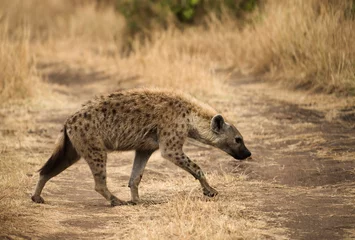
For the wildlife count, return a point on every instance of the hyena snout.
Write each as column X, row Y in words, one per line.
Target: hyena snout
column 241, row 155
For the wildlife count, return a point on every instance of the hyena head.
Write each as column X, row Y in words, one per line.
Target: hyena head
column 228, row 138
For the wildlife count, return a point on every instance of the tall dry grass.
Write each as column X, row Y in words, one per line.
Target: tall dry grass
column 305, row 44
column 30, row 28
column 18, row 77
column 301, row 43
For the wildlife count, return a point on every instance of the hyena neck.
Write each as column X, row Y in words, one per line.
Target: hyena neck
column 200, row 129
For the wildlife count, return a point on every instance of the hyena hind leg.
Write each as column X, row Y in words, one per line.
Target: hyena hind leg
column 98, row 168
column 62, row 158
column 140, row 161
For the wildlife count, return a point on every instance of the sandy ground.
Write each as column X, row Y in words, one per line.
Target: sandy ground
column 299, row 183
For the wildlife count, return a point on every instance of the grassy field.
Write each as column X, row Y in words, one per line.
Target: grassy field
column 55, row 55
column 303, row 44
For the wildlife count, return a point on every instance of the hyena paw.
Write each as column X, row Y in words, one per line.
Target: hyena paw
column 37, row 199
column 210, row 192
column 117, row 202
column 132, row 202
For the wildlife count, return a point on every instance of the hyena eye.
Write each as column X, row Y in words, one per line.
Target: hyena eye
column 238, row 140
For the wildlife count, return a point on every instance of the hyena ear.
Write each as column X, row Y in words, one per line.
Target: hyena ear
column 217, row 123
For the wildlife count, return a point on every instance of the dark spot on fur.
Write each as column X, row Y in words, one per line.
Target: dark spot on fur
column 117, row 104
column 170, row 155
column 183, row 115
column 97, row 165
column 95, row 149
column 75, row 128
column 102, row 165
column 177, row 158
column 80, row 115
column 74, row 119
column 147, row 115
column 114, row 111
column 105, row 102
column 87, row 116
column 103, row 110
column 194, row 165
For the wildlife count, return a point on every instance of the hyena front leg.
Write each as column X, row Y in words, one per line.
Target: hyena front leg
column 97, row 163
column 175, row 154
column 140, row 161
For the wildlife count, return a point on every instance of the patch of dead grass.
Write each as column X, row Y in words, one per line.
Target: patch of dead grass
column 18, row 77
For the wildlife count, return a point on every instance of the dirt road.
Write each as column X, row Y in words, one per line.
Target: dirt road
column 298, row 185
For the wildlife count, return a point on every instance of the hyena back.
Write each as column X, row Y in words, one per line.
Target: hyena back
column 144, row 121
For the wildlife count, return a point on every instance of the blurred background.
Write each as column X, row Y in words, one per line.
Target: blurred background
column 307, row 44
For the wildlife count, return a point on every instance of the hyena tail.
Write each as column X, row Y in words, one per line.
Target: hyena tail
column 64, row 155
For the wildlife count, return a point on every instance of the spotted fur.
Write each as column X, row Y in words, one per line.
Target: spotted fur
column 144, row 121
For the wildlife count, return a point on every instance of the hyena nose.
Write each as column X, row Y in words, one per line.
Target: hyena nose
column 248, row 154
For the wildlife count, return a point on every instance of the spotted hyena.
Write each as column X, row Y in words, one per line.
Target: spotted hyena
column 144, row 121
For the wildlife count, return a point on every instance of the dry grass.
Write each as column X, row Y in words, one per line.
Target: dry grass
column 28, row 29
column 18, row 77
column 300, row 43
column 306, row 44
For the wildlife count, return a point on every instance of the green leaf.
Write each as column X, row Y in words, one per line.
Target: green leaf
column 188, row 13
column 194, row 2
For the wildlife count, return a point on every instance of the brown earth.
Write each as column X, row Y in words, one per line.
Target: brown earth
column 301, row 176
